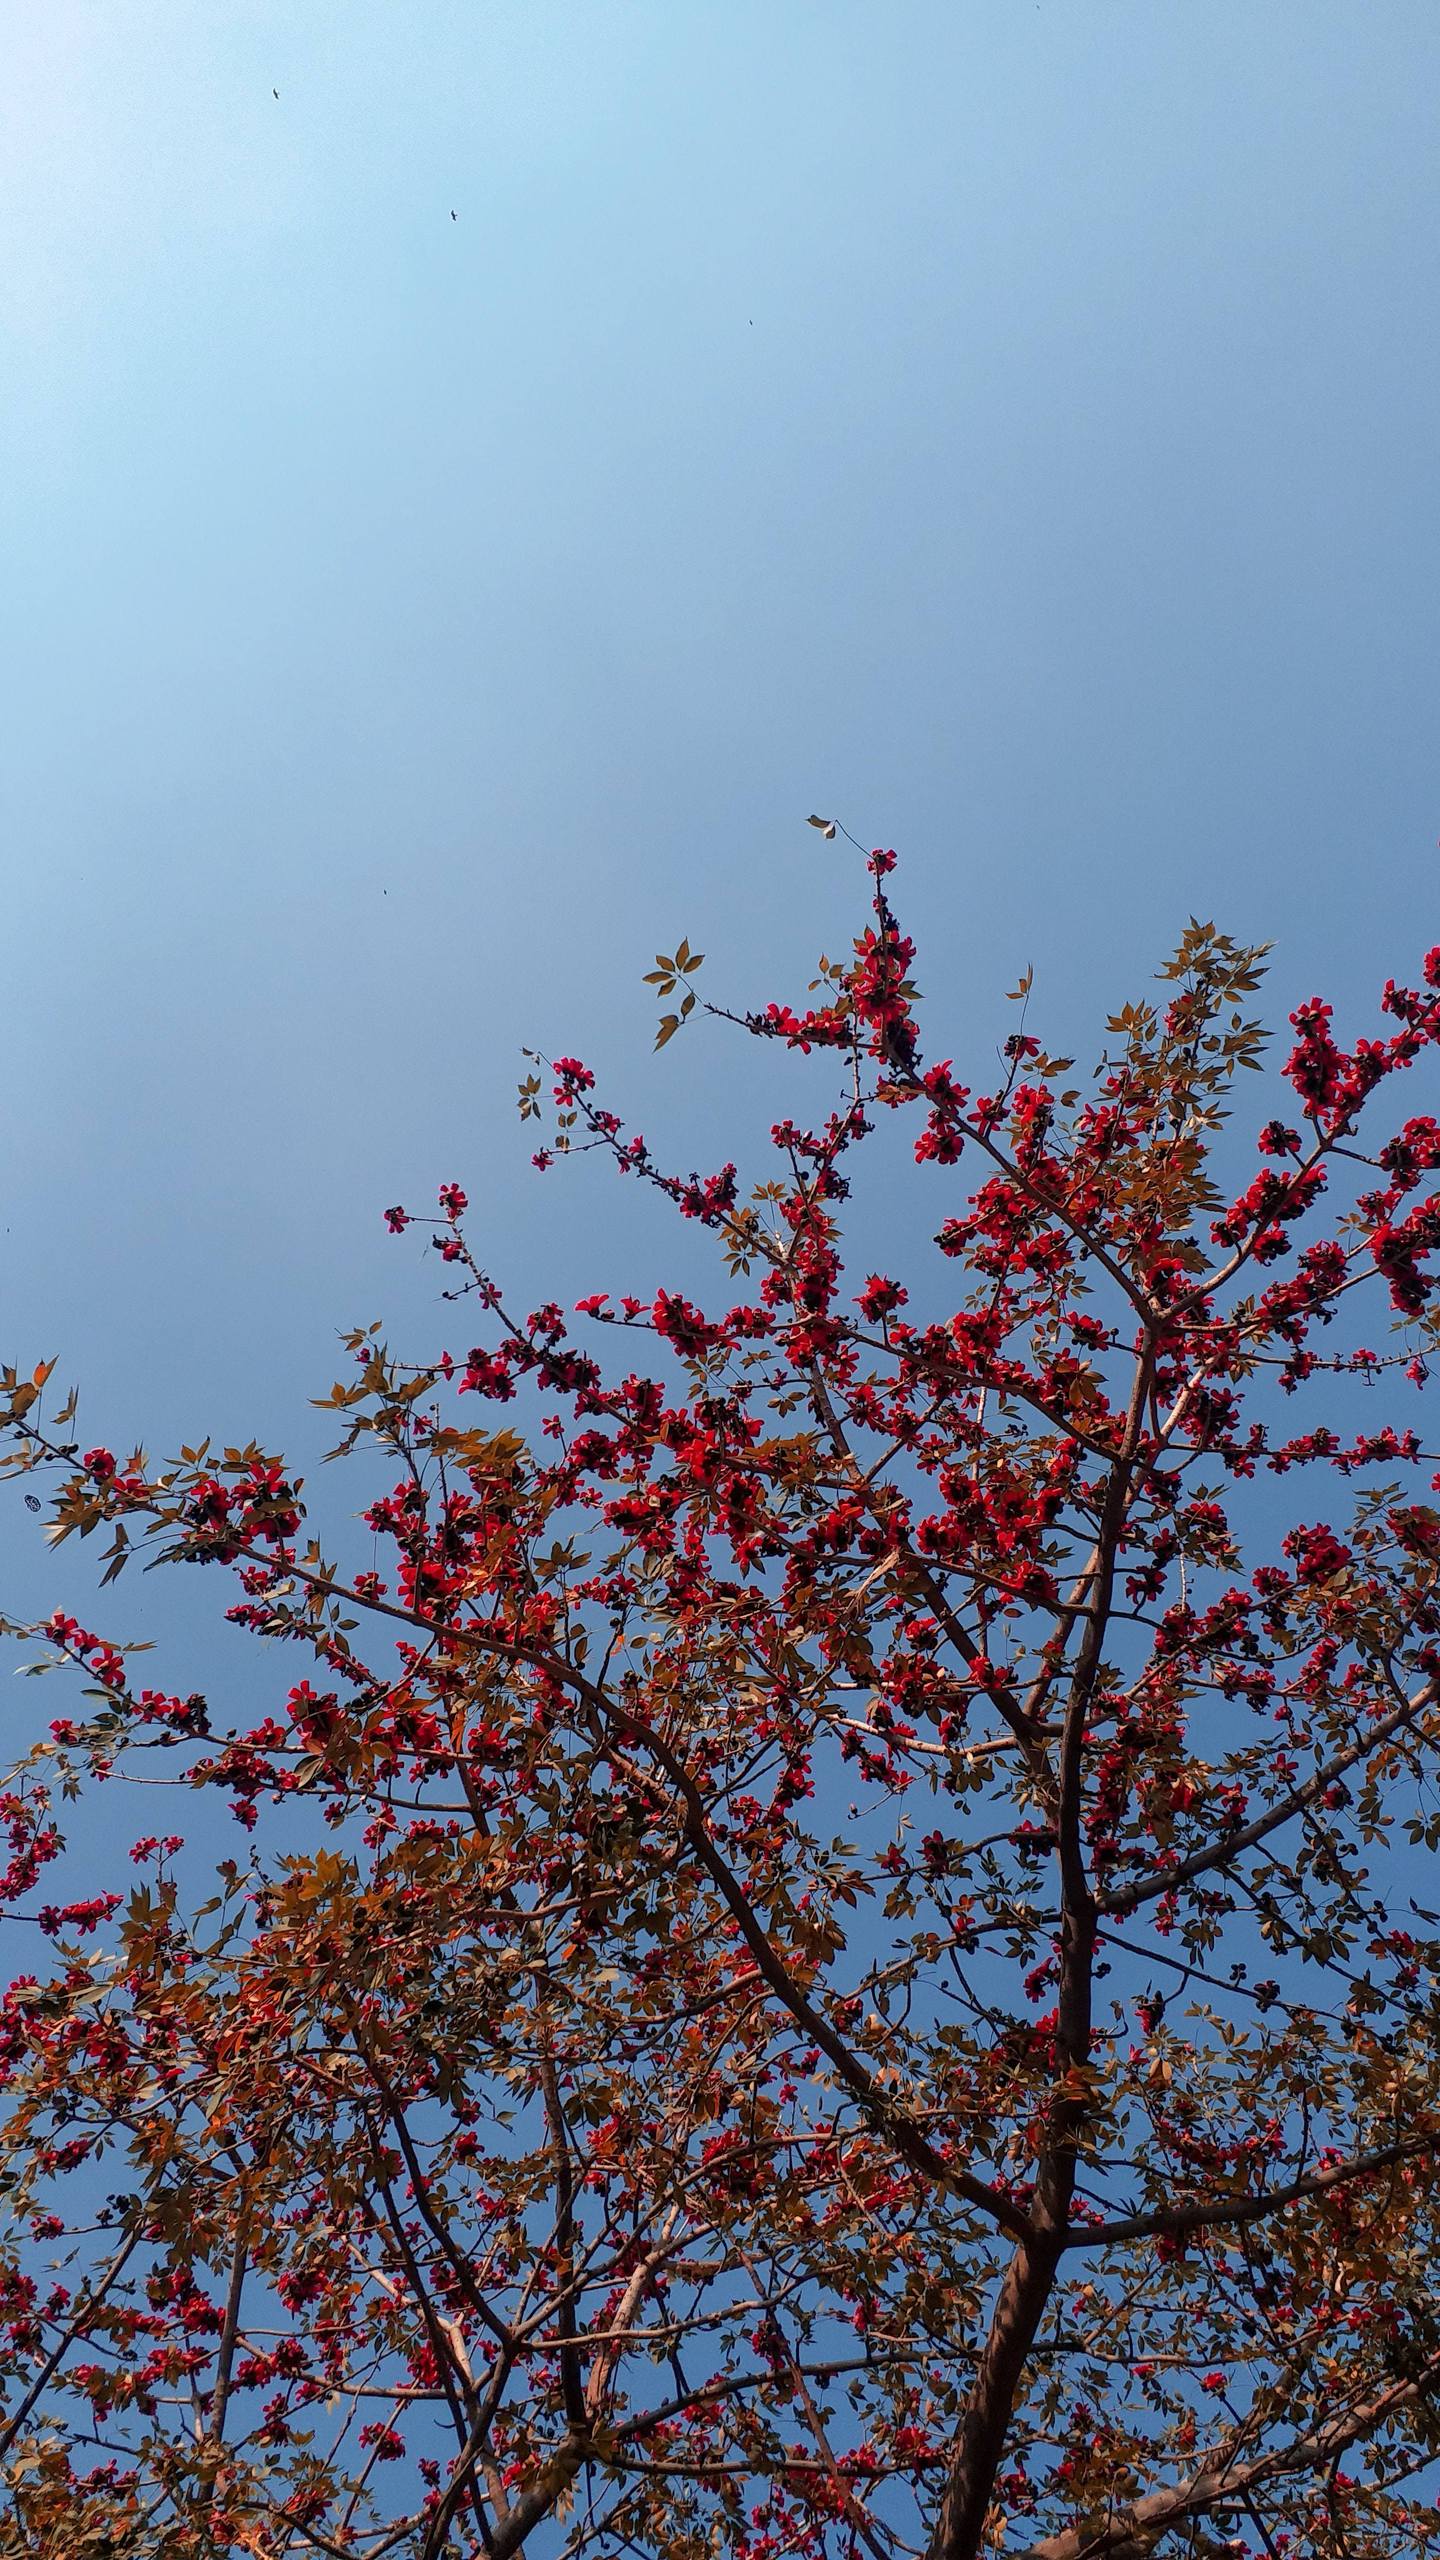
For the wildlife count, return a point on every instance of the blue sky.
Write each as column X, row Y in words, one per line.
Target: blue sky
column 1010, row 427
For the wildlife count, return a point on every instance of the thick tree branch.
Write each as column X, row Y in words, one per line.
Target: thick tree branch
column 1029, row 2280
column 1246, row 1835
column 1229, row 2212
column 1134, row 2528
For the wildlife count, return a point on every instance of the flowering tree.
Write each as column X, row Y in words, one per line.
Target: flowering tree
column 826, row 1962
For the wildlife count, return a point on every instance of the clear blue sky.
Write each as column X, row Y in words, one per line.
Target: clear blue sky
column 1010, row 426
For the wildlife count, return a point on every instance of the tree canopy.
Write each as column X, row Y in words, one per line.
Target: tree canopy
column 829, row 1955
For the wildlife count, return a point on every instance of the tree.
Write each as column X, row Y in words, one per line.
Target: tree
column 828, row 1961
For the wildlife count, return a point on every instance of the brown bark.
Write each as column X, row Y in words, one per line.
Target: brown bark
column 979, row 2444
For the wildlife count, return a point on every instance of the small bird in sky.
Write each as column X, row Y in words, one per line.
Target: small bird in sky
column 274, row 93
column 453, row 215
